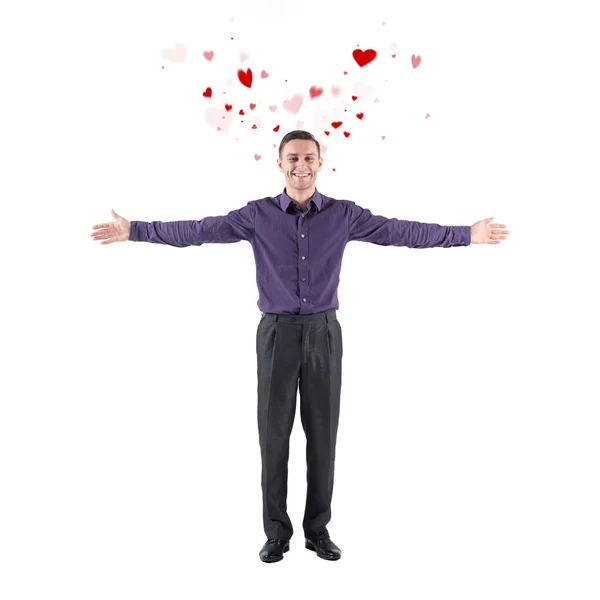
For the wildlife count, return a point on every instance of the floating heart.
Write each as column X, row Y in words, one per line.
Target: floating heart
column 257, row 157
column 264, row 74
column 346, row 134
column 315, row 91
column 335, row 90
column 327, row 133
column 273, row 107
column 293, row 105
column 416, row 61
column 333, row 169
column 243, row 57
column 427, row 116
column 299, row 124
column 383, row 137
column 276, row 128
column 323, row 148
column 245, row 77
column 252, row 106
column 336, row 124
column 228, row 107
column 393, row 56
column 364, row 57
column 241, row 111
column 253, row 126
column 207, row 93
column 354, row 97
column 360, row 115
column 176, row 54
column 209, row 55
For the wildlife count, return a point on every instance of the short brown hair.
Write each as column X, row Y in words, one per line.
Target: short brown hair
column 299, row 134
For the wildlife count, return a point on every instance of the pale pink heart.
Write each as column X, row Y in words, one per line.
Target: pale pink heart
column 383, row 137
column 263, row 74
column 258, row 157
column 323, row 148
column 243, row 56
column 361, row 90
column 335, row 90
column 427, row 116
column 273, row 107
column 208, row 55
column 293, row 104
column 218, row 118
column 394, row 46
column 176, row 54
column 376, row 100
column 299, row 124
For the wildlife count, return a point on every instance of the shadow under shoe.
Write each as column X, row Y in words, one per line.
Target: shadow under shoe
column 273, row 550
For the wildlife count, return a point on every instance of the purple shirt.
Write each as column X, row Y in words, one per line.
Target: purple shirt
column 298, row 254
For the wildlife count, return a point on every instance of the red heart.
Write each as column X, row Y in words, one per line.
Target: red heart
column 393, row 56
column 252, row 106
column 360, row 115
column 345, row 72
column 209, row 55
column 336, row 124
column 416, row 61
column 228, row 107
column 241, row 112
column 354, row 97
column 264, row 74
column 207, row 93
column 315, row 91
column 346, row 134
column 327, row 133
column 276, row 128
column 257, row 157
column 254, row 126
column 245, row 77
column 364, row 58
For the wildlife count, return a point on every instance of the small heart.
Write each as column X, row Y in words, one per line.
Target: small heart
column 276, row 128
column 299, row 124
column 273, row 107
column 274, row 146
column 252, row 106
column 209, row 55
column 293, row 104
column 253, row 127
column 363, row 58
column 315, row 91
column 228, row 107
column 241, row 111
column 335, row 90
column 257, row 157
column 346, row 134
column 336, row 124
column 427, row 116
column 376, row 100
column 333, row 168
column 327, row 133
column 176, row 54
column 393, row 56
column 243, row 56
column 245, row 77
column 323, row 148
column 383, row 137
column 360, row 115
column 416, row 61
column 207, row 93
column 354, row 97
column 345, row 72
column 264, row 74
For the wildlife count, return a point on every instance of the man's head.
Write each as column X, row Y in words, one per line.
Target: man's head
column 300, row 160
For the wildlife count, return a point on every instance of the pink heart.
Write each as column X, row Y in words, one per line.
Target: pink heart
column 257, row 157
column 427, row 116
column 208, row 55
column 383, row 137
column 218, row 118
column 299, row 124
column 293, row 104
column 335, row 90
column 243, row 56
column 273, row 107
column 264, row 74
column 176, row 54
column 323, row 148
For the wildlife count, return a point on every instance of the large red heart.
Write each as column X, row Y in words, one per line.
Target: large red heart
column 364, row 58
column 245, row 77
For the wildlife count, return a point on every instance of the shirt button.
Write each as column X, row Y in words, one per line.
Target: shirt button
column 302, row 235
column 304, row 279
column 303, row 299
column 303, row 258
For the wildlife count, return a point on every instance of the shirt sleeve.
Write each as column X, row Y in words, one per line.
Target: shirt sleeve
column 233, row 227
column 363, row 226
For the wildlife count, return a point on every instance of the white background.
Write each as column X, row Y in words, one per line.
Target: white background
column 468, row 448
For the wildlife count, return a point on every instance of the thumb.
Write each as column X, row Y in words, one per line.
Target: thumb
column 490, row 219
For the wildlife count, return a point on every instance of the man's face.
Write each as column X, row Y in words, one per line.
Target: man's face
column 300, row 164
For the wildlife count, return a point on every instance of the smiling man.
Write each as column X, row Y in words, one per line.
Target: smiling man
column 298, row 238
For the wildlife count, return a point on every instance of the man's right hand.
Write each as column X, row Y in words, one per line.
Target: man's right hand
column 117, row 231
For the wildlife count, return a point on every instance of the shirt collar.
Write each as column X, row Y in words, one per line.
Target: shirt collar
column 285, row 200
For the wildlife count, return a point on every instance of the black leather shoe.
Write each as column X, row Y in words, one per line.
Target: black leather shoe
column 273, row 550
column 324, row 548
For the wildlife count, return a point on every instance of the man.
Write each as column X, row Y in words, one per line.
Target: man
column 298, row 239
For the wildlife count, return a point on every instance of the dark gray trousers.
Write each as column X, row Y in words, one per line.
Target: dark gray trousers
column 305, row 352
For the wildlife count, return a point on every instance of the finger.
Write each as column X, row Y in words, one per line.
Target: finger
column 497, row 225
column 101, row 226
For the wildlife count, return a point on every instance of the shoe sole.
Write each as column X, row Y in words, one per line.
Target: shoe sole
column 271, row 559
